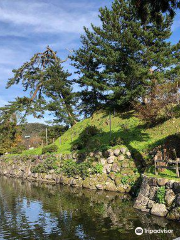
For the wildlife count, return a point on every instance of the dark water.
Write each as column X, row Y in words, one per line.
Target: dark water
column 40, row 211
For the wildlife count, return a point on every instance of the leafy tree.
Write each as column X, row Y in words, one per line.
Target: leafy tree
column 41, row 78
column 154, row 8
column 115, row 60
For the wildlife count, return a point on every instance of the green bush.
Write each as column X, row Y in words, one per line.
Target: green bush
column 71, row 168
column 85, row 138
column 17, row 150
column 47, row 165
column 49, row 149
column 97, row 169
column 116, row 141
column 160, row 195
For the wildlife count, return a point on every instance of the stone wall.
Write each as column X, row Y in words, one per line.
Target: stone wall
column 119, row 170
column 147, row 200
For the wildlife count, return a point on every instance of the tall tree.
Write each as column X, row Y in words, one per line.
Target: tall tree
column 41, row 79
column 154, row 8
column 116, row 58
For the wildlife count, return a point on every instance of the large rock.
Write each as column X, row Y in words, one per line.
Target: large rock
column 110, row 186
column 162, row 181
column 152, row 192
column 123, row 150
column 107, row 168
column 108, row 153
column 178, row 200
column 115, row 167
column 141, row 202
column 121, row 158
column 116, row 152
column 152, row 181
column 111, row 159
column 102, row 161
column 170, row 183
column 174, row 214
column 159, row 210
column 176, row 187
column 169, row 197
column 145, row 188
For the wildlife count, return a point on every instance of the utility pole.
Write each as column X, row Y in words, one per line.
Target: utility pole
column 110, row 123
column 46, row 136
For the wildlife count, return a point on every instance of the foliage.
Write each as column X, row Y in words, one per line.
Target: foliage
column 85, row 138
column 18, row 149
column 116, row 141
column 48, row 164
column 49, row 149
column 116, row 59
column 160, row 195
column 153, row 8
column 72, row 168
column 160, row 102
column 127, row 180
column 44, row 77
column 98, row 168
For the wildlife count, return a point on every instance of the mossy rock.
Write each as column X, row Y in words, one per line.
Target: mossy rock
column 174, row 214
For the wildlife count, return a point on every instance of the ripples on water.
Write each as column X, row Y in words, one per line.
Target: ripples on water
column 41, row 211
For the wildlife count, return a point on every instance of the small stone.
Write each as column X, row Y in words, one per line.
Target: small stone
column 170, row 183
column 169, row 197
column 123, row 150
column 162, row 181
column 108, row 153
column 125, row 164
column 152, row 181
column 128, row 154
column 111, row 159
column 112, row 175
column 121, row 158
column 107, row 168
column 115, row 167
column 159, row 210
column 116, row 152
column 150, row 203
column 102, row 161
column 99, row 186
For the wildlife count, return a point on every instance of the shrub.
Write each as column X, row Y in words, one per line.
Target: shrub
column 85, row 138
column 160, row 195
column 71, row 168
column 46, row 166
column 49, row 149
column 116, row 141
column 17, row 150
column 97, row 169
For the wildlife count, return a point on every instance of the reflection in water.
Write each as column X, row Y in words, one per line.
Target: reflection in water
column 41, row 211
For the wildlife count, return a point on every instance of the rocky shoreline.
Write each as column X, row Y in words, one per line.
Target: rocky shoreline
column 160, row 197
column 119, row 171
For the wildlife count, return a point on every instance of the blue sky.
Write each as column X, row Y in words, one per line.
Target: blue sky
column 28, row 26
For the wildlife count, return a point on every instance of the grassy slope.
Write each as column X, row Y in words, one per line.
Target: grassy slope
column 137, row 137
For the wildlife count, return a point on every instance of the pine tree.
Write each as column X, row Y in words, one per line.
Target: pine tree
column 41, row 79
column 116, row 58
column 59, row 91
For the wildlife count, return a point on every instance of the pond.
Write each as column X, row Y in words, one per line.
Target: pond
column 31, row 210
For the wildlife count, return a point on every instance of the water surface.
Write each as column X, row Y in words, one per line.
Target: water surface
column 40, row 211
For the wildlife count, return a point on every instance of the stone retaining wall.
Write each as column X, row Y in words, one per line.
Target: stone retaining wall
column 147, row 200
column 118, row 166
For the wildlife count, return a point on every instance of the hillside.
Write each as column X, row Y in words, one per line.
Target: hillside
column 127, row 129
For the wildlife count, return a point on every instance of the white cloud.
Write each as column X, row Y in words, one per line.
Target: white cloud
column 41, row 17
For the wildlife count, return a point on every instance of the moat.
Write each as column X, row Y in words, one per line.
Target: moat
column 35, row 210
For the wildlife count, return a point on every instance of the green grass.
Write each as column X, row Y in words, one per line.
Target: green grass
column 135, row 134
column 168, row 174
